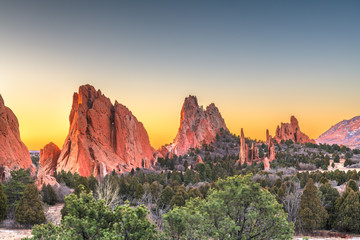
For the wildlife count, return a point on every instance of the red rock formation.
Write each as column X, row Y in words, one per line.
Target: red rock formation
column 291, row 131
column 271, row 150
column 43, row 178
column 197, row 126
column 254, row 152
column 268, row 136
column 199, row 159
column 48, row 158
column 13, row 152
column 243, row 153
column 103, row 137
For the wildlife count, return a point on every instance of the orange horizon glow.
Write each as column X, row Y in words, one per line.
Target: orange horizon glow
column 43, row 124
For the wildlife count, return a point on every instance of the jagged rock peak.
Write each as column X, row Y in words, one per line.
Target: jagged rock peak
column 291, row 131
column 13, row 152
column 103, row 137
column 197, row 126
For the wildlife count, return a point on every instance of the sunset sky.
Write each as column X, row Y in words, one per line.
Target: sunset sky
column 259, row 61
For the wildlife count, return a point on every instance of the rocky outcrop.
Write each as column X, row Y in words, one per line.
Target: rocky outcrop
column 247, row 155
column 199, row 159
column 291, row 131
column 254, row 152
column 45, row 179
column 271, row 150
column 48, row 158
column 13, row 152
column 197, row 126
column 268, row 136
column 103, row 137
column 243, row 149
column 346, row 132
column 5, row 174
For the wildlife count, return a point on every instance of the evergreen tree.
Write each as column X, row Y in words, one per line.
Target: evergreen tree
column 93, row 183
column 311, row 212
column 329, row 195
column 188, row 176
column 81, row 181
column 186, row 164
column 49, row 195
column 139, row 191
column 165, row 197
column 15, row 187
column 29, row 210
column 348, row 211
column 3, row 203
column 352, row 184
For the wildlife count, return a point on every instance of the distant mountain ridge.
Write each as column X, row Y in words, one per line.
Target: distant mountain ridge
column 346, row 132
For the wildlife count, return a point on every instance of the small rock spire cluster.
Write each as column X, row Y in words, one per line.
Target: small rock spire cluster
column 291, row 131
column 247, row 155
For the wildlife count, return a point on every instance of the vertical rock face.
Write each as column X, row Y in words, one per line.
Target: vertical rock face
column 197, row 126
column 268, row 136
column 271, row 147
column 13, row 152
column 103, row 137
column 271, row 151
column 243, row 146
column 199, row 159
column 48, row 158
column 254, row 152
column 291, row 131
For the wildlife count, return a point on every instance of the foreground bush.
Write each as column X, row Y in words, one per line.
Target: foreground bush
column 87, row 218
column 237, row 209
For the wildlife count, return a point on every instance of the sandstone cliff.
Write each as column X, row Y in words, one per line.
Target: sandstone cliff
column 103, row 137
column 48, row 158
column 13, row 152
column 291, row 131
column 197, row 126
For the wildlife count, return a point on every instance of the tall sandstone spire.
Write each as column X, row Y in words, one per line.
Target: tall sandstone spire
column 197, row 126
column 103, row 137
column 243, row 153
column 13, row 152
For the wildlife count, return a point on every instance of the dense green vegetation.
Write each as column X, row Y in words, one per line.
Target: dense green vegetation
column 215, row 199
column 87, row 218
column 261, row 217
column 3, row 203
column 29, row 210
column 237, row 208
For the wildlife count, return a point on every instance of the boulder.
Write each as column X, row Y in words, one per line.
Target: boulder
column 49, row 155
